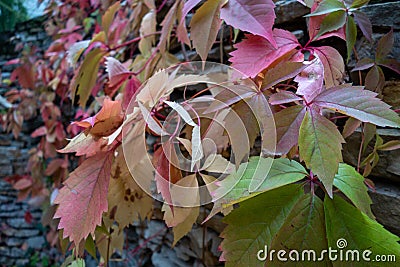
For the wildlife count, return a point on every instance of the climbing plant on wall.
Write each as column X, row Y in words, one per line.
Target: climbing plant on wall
column 110, row 70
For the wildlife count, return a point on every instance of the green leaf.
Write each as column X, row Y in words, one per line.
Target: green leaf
column 358, row 103
column 283, row 171
column 351, row 183
column 331, row 22
column 344, row 222
column 77, row 263
column 303, row 230
column 358, row 3
column 108, row 16
column 351, row 35
column 369, row 134
column 85, row 79
column 327, row 7
column 255, row 223
column 257, row 175
column 320, row 147
column 391, row 145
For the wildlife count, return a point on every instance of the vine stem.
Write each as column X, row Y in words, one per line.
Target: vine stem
column 360, row 150
column 134, row 40
column 359, row 72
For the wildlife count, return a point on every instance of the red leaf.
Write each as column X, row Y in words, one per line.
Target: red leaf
column 117, row 72
column 315, row 24
column 255, row 16
column 83, row 199
column 28, row 217
column 385, row 45
column 131, row 89
column 283, row 97
column 333, row 65
column 255, row 53
column 390, row 63
column 364, row 23
column 25, row 76
column 166, row 173
column 39, row 132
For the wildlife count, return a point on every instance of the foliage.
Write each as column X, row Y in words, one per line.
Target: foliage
column 108, row 62
column 11, row 12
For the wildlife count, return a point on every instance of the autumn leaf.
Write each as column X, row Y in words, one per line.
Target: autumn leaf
column 255, row 53
column 108, row 16
column 320, row 145
column 84, row 144
column 117, row 72
column 204, row 27
column 83, row 199
column 310, row 80
column 333, row 65
column 126, row 199
column 360, row 104
column 106, row 121
column 364, row 23
column 184, row 192
column 256, row 17
column 316, row 19
column 86, row 76
column 288, row 122
column 165, row 161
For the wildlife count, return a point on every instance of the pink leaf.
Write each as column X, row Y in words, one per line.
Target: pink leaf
column 283, row 97
column 358, row 103
column 83, row 199
column 315, row 24
column 364, row 23
column 333, row 65
column 39, row 132
column 255, row 16
column 311, row 80
column 181, row 30
column 288, row 123
column 130, row 91
column 255, row 53
column 117, row 72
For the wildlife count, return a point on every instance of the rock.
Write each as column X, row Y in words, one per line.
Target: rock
column 384, row 14
column 36, row 242
column 167, row 258
column 386, row 206
column 289, row 10
column 18, row 223
column 14, row 242
column 26, row 233
column 391, row 94
column 17, row 253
